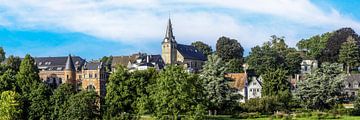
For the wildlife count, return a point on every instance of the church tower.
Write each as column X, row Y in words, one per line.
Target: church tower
column 70, row 71
column 168, row 46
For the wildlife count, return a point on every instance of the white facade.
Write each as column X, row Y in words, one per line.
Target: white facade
column 308, row 65
column 254, row 88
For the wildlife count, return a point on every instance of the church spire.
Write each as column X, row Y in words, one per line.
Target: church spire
column 169, row 36
column 69, row 64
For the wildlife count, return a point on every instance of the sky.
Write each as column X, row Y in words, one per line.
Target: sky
column 95, row 28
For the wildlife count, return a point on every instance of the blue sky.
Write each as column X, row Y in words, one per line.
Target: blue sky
column 92, row 28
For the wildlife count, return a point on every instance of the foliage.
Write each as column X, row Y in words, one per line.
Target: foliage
column 13, row 63
column 10, row 105
column 228, row 49
column 349, row 53
column 204, row 48
column 264, row 105
column 321, row 88
column 2, row 54
column 39, row 102
column 333, row 45
column 314, row 46
column 275, row 81
column 28, row 74
column 274, row 54
column 82, row 105
column 59, row 98
column 356, row 110
column 107, row 62
column 234, row 66
column 8, row 81
column 216, row 86
column 175, row 92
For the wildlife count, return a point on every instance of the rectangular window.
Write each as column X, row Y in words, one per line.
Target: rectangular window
column 95, row 75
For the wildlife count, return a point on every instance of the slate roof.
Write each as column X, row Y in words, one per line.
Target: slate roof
column 190, row 52
column 238, row 80
column 69, row 64
column 93, row 65
column 153, row 60
column 124, row 60
column 58, row 63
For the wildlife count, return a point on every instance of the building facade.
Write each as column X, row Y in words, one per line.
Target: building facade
column 73, row 70
column 174, row 53
column 138, row 61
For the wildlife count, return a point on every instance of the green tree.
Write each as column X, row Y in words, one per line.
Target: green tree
column 119, row 94
column 175, row 92
column 314, row 46
column 10, row 105
column 81, row 106
column 356, row 110
column 333, row 45
column 28, row 74
column 2, row 54
column 13, row 63
column 349, row 53
column 59, row 98
column 274, row 54
column 39, row 102
column 8, row 81
column 274, row 81
column 216, row 86
column 204, row 48
column 228, row 49
column 321, row 88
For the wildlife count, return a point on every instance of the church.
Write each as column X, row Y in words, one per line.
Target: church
column 173, row 53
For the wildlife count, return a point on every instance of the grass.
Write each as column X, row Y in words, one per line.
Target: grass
column 228, row 117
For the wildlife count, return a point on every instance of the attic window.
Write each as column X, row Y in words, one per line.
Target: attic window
column 77, row 62
column 40, row 63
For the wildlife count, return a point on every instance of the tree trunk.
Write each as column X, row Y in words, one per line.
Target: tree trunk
column 209, row 112
column 348, row 69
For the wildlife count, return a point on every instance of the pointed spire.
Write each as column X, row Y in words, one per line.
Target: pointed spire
column 69, row 64
column 169, row 36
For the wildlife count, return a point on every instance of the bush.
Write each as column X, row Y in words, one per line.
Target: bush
column 247, row 115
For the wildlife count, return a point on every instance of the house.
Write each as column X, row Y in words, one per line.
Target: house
column 94, row 77
column 247, row 84
column 139, row 61
column 173, row 53
column 308, row 65
column 351, row 85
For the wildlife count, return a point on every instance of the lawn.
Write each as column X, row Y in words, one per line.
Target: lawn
column 227, row 117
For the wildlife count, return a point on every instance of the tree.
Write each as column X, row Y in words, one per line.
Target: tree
column 2, row 54
column 228, row 49
column 39, row 102
column 81, row 106
column 356, row 110
column 274, row 54
column 349, row 53
column 333, row 45
column 314, row 46
column 320, row 89
column 216, row 86
column 234, row 66
column 10, row 105
column 13, row 63
column 8, row 81
column 274, row 81
column 118, row 97
column 204, row 48
column 175, row 92
column 28, row 74
column 59, row 98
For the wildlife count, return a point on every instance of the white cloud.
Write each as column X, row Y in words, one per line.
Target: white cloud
column 134, row 21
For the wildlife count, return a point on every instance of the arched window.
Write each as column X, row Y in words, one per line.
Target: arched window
column 90, row 87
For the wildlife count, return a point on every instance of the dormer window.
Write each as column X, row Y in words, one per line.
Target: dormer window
column 40, row 63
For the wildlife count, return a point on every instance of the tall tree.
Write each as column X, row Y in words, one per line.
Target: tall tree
column 349, row 53
column 275, row 81
column 274, row 54
column 119, row 94
column 13, row 63
column 216, row 86
column 39, row 102
column 59, row 98
column 333, row 45
column 10, row 105
column 28, row 74
column 228, row 49
column 204, row 48
column 321, row 88
column 175, row 92
column 81, row 106
column 2, row 54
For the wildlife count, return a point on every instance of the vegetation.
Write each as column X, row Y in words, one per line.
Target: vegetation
column 204, row 48
column 349, row 53
column 230, row 50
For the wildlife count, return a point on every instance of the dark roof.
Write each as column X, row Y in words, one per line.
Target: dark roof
column 58, row 63
column 190, row 52
column 124, row 60
column 93, row 65
column 69, row 64
column 353, row 78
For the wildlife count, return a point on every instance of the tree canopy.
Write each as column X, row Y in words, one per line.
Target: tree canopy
column 228, row 49
column 349, row 53
column 10, row 105
column 204, row 48
column 2, row 54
